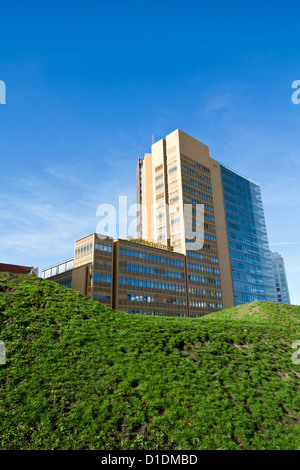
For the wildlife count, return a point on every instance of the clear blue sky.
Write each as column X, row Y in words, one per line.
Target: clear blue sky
column 89, row 82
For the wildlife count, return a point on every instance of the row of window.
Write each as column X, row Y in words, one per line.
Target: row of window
column 193, row 172
column 84, row 249
column 151, row 257
column 244, row 248
column 198, row 255
column 252, row 279
column 193, row 201
column 203, row 186
column 173, row 170
column 153, row 312
column 246, row 231
column 248, row 288
column 244, row 257
column 131, row 297
column 67, row 283
column 246, row 268
column 98, row 246
column 243, row 195
column 282, row 280
column 205, row 292
column 239, row 204
column 207, row 236
column 139, row 268
column 242, row 298
column 146, row 284
column 206, row 269
column 240, row 181
column 244, row 222
column 102, row 277
column 201, row 280
column 194, row 254
column 100, row 266
column 241, row 238
column 197, row 193
column 210, row 305
column 237, row 210
column 102, row 298
column 103, row 247
column 202, row 168
column 58, row 269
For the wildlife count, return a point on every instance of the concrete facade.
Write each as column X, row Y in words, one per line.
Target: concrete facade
column 184, row 174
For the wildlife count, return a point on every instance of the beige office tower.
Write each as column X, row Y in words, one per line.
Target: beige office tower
column 180, row 189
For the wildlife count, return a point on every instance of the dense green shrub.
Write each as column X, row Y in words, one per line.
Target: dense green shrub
column 79, row 375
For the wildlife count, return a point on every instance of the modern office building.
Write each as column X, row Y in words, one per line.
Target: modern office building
column 280, row 279
column 251, row 266
column 226, row 245
column 179, row 172
column 127, row 275
column 201, row 241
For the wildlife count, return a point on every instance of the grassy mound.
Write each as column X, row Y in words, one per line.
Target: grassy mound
column 79, row 375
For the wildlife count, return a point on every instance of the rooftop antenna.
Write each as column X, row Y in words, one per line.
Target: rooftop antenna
column 152, row 139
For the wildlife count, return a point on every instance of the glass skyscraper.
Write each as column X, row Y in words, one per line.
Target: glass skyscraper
column 281, row 285
column 249, row 251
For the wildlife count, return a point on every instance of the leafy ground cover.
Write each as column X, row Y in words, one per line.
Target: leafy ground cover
column 79, row 375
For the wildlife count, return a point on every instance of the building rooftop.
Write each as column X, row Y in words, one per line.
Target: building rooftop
column 16, row 269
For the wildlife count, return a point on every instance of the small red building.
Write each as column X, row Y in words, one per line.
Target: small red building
column 15, row 269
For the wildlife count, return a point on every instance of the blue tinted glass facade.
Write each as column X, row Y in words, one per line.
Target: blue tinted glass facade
column 250, row 258
column 281, row 285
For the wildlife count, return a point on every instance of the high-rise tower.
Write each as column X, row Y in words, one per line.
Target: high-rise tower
column 232, row 263
column 280, row 279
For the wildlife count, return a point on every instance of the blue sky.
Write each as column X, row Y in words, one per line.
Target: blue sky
column 89, row 82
